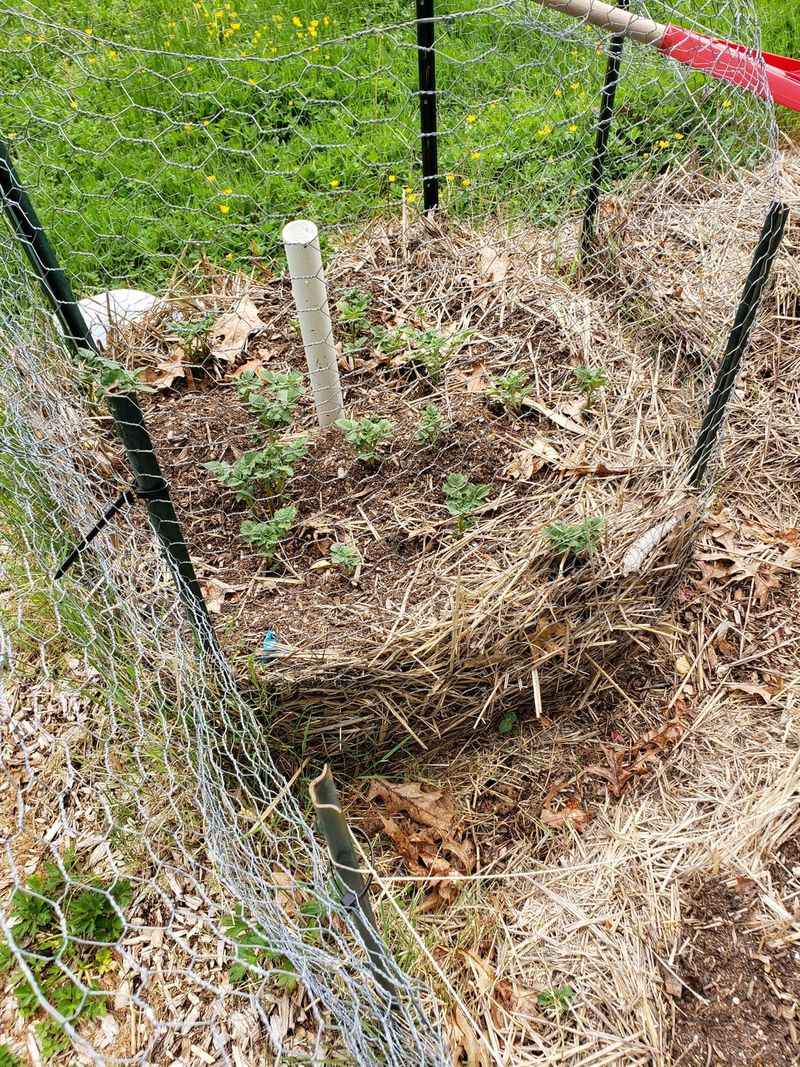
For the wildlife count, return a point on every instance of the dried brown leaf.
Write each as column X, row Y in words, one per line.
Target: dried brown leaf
column 751, row 689
column 494, row 264
column 167, row 372
column 214, row 592
column 429, row 807
column 230, row 333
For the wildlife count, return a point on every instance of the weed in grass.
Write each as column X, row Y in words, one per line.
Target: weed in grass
column 590, row 379
column 510, row 390
column 64, row 915
column 8, row 1059
column 366, row 436
column 270, row 467
column 431, row 426
column 345, row 557
column 266, row 536
column 576, row 539
column 463, row 497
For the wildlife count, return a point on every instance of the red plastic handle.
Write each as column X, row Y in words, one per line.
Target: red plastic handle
column 776, row 77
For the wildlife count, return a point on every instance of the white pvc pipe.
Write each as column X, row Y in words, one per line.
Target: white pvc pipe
column 301, row 240
column 615, row 19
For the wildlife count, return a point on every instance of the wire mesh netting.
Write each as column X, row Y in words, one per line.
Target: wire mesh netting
column 504, row 504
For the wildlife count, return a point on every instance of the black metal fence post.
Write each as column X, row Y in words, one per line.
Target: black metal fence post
column 604, row 121
column 426, row 59
column 760, row 270
column 125, row 409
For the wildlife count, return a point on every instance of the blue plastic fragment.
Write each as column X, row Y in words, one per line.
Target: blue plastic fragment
column 268, row 646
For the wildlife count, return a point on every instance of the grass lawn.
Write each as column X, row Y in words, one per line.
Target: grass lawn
column 203, row 126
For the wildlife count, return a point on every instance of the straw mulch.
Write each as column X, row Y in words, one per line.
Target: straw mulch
column 440, row 635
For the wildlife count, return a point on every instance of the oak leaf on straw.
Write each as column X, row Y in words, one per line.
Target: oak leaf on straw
column 494, row 264
column 167, row 372
column 231, row 331
column 751, row 689
column 428, row 807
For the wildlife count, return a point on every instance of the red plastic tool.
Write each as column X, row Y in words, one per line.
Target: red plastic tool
column 762, row 73
column 778, row 76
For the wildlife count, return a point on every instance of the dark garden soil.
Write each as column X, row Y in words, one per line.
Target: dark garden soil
column 393, row 512
column 741, row 1003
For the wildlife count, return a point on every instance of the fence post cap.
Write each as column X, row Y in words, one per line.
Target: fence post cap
column 300, row 232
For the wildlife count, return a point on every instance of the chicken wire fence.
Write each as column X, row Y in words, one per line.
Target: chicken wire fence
column 164, row 896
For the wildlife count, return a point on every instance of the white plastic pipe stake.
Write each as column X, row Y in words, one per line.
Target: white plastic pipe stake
column 301, row 240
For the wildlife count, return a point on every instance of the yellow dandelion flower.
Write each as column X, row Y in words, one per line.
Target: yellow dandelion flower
column 559, row 92
column 575, row 86
column 449, row 177
column 297, row 21
column 236, row 25
column 188, row 126
column 227, row 191
column 88, row 31
column 663, row 144
column 112, row 54
column 251, row 81
column 229, row 256
column 475, row 155
column 224, row 208
column 572, row 128
column 27, row 39
column 465, row 183
column 392, row 178
column 211, row 178
column 679, row 137
column 74, row 105
column 471, row 119
column 325, row 20
column 412, row 198
column 334, row 183
column 11, row 136
column 727, row 104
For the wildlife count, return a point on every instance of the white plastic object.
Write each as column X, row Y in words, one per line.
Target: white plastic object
column 115, row 308
column 301, row 240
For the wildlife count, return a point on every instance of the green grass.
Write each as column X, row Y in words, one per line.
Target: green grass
column 202, row 127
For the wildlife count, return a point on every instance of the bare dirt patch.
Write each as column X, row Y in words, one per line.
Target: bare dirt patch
column 742, row 993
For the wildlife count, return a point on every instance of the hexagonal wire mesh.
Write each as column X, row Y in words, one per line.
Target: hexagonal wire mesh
column 165, row 898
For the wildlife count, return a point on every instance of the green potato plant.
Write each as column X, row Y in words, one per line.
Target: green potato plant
column 575, row 539
column 266, row 536
column 271, row 467
column 345, row 557
column 431, row 426
column 510, row 390
column 366, row 436
column 463, row 497
column 590, row 380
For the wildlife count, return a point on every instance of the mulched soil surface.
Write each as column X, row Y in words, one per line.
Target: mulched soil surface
column 749, row 1013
